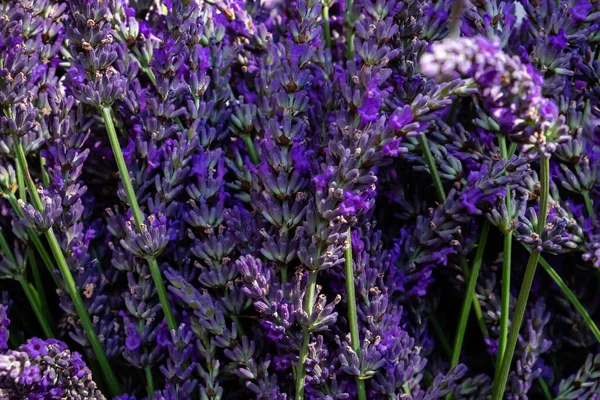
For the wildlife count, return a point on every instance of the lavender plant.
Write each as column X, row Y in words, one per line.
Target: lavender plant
column 230, row 199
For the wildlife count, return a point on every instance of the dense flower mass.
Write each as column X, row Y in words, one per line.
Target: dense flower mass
column 231, row 199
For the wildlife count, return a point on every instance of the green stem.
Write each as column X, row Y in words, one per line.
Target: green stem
column 326, row 27
column 511, row 150
column 149, row 382
column 440, row 335
column 589, row 206
column 469, row 296
column 34, row 301
column 352, row 315
column 301, row 369
column 137, row 215
column 505, row 298
column 506, row 269
column 238, row 325
column 39, row 286
column 544, row 387
column 500, row 382
column 6, row 250
column 162, row 293
column 251, row 149
column 68, row 279
column 349, row 25
column 20, row 182
column 430, row 161
column 476, row 305
column 284, row 272
column 569, row 295
column 45, row 177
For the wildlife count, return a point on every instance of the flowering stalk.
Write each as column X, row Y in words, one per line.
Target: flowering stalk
column 301, row 368
column 352, row 318
column 137, row 215
column 500, row 382
column 69, row 282
column 506, row 266
column 469, row 296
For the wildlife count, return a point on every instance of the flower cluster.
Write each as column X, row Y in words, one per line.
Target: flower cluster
column 226, row 199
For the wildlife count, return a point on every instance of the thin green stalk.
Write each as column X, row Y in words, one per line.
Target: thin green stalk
column 284, row 272
column 476, row 305
column 301, row 368
column 251, row 149
column 589, row 206
column 149, row 382
column 406, row 389
column 147, row 70
column 352, row 316
column 137, row 215
column 45, row 177
column 430, row 161
column 39, row 286
column 6, row 250
column 326, row 27
column 20, row 183
column 440, row 335
column 68, row 279
column 162, row 293
column 505, row 299
column 469, row 296
column 511, row 150
column 569, row 295
column 238, row 325
column 349, row 27
column 544, row 387
column 506, row 269
column 500, row 382
column 34, row 301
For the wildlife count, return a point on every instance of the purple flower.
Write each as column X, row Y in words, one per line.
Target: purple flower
column 133, row 340
column 559, row 40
